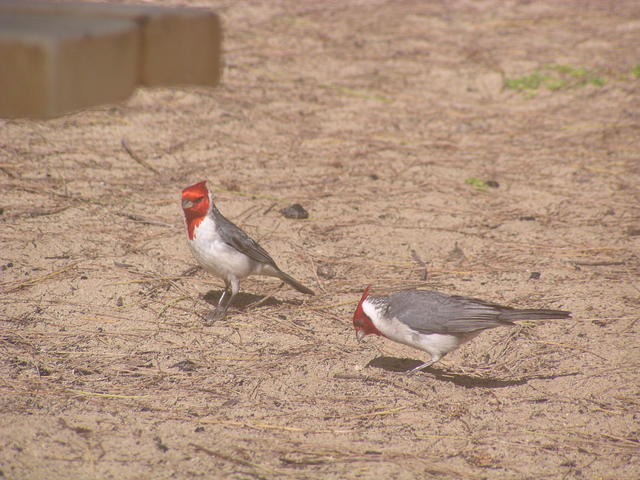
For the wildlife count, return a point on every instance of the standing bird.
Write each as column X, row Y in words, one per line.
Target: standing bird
column 435, row 322
column 223, row 249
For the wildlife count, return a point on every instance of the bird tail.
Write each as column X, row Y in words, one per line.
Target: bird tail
column 533, row 314
column 293, row 282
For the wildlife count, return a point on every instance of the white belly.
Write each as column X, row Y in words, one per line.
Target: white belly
column 436, row 344
column 219, row 258
column 222, row 260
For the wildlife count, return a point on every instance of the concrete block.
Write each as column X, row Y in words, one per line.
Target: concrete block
column 181, row 47
column 174, row 46
column 53, row 65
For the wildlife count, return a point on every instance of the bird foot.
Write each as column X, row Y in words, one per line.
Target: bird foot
column 215, row 315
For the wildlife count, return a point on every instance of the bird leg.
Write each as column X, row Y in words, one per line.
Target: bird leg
column 424, row 365
column 223, row 305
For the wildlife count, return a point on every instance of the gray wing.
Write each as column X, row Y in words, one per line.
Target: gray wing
column 233, row 235
column 434, row 312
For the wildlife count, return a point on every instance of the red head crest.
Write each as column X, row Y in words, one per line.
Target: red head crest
column 195, row 204
column 361, row 322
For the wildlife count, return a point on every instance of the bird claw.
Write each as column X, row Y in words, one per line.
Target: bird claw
column 215, row 315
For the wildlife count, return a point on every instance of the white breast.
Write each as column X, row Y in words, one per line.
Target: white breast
column 216, row 256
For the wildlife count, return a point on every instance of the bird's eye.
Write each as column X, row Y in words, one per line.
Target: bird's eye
column 188, row 203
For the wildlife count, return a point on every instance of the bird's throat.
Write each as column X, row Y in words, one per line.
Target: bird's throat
column 373, row 318
column 192, row 224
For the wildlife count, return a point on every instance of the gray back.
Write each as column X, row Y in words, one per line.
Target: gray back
column 433, row 312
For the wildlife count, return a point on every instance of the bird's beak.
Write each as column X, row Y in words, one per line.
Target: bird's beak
column 360, row 335
column 186, row 203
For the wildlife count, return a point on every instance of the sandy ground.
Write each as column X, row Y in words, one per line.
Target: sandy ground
column 385, row 120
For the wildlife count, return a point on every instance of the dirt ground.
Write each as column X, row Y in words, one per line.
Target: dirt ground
column 388, row 121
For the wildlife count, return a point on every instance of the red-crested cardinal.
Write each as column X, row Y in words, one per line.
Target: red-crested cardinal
column 223, row 249
column 435, row 322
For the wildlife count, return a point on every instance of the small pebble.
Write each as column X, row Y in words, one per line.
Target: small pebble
column 534, row 275
column 185, row 366
column 295, row 211
column 326, row 271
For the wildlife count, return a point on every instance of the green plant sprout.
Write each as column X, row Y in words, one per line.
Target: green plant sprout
column 478, row 184
column 555, row 77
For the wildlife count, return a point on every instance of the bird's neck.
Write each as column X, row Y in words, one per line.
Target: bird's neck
column 373, row 308
column 198, row 226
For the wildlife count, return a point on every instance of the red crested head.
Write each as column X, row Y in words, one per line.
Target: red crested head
column 361, row 322
column 195, row 204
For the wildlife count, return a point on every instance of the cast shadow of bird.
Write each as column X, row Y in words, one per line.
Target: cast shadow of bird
column 393, row 364
column 243, row 300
